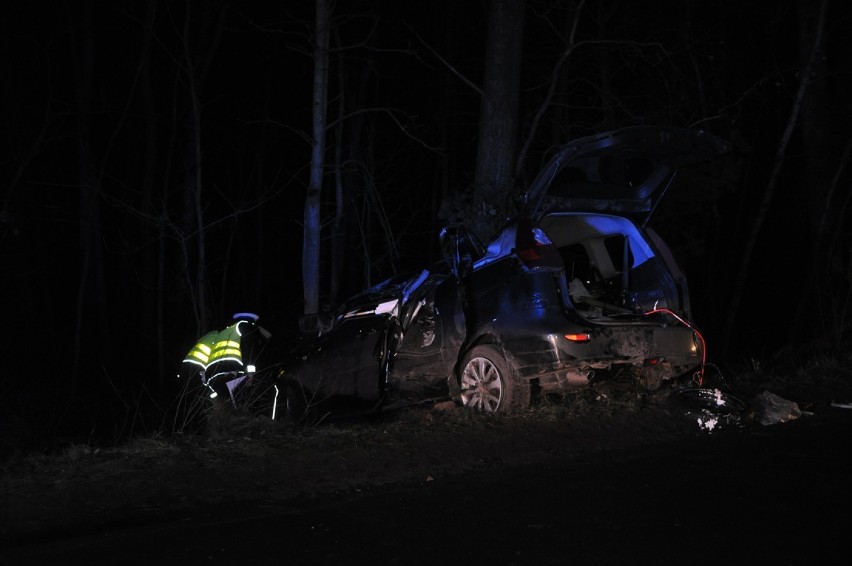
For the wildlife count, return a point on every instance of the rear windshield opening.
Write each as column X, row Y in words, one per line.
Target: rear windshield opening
column 610, row 269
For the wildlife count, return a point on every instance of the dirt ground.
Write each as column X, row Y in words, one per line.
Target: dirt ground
column 242, row 459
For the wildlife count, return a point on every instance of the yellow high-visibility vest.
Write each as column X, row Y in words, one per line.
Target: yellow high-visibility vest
column 200, row 353
column 227, row 346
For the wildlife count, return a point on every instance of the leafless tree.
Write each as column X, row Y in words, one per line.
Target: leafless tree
column 313, row 217
column 498, row 118
column 742, row 271
column 91, row 290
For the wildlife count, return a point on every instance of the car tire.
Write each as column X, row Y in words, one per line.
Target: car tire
column 487, row 383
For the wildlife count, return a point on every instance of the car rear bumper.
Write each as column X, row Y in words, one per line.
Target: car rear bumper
column 653, row 353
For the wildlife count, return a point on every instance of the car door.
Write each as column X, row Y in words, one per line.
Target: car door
column 351, row 363
column 420, row 362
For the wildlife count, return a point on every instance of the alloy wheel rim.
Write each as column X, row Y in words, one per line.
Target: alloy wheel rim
column 481, row 387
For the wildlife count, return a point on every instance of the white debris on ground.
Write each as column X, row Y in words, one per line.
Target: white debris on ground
column 708, row 422
column 768, row 407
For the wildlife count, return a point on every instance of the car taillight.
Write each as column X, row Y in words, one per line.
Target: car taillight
column 535, row 249
column 578, row 337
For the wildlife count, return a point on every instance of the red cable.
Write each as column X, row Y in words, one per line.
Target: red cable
column 697, row 333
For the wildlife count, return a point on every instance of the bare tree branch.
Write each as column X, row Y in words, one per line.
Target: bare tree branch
column 447, row 64
column 389, row 112
column 548, row 98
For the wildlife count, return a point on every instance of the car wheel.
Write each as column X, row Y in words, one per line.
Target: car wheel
column 486, row 381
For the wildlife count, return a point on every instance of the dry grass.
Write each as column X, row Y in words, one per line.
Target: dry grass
column 233, row 435
column 818, row 380
column 240, row 457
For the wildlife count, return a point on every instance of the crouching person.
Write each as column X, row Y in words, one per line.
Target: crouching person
column 223, row 360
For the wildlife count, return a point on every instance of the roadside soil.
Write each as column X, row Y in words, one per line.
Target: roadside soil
column 240, row 460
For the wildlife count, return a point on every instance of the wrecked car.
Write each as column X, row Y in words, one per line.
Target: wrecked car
column 576, row 289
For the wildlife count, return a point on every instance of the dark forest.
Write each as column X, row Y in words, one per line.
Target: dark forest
column 156, row 158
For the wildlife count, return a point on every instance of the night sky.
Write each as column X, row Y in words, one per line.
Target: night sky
column 102, row 102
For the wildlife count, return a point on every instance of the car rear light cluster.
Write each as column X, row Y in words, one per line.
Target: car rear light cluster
column 700, row 375
column 534, row 248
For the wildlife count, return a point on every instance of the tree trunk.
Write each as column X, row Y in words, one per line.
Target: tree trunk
column 313, row 219
column 338, row 230
column 498, row 119
column 91, row 294
column 154, row 260
column 819, row 150
column 193, row 182
column 196, row 65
